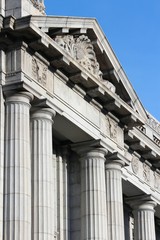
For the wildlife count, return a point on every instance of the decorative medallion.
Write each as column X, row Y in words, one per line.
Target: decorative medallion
column 146, row 172
column 81, row 49
column 39, row 72
column 135, row 164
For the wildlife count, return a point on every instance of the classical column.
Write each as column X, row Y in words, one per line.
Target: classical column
column 42, row 175
column 17, row 198
column 2, row 120
column 115, row 218
column 93, row 195
column 62, row 194
column 144, row 223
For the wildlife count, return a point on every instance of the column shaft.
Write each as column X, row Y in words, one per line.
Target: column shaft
column 42, row 175
column 62, row 196
column 93, row 196
column 114, row 200
column 144, row 228
column 2, row 117
column 17, row 209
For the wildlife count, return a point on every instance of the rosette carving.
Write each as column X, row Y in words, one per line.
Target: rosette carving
column 82, row 50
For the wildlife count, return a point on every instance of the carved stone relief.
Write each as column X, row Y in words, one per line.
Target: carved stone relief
column 146, row 172
column 113, row 128
column 82, row 50
column 135, row 164
column 39, row 4
column 154, row 123
column 39, row 72
column 156, row 181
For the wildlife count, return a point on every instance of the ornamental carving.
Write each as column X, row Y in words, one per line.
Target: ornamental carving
column 39, row 4
column 156, row 180
column 39, row 72
column 81, row 49
column 154, row 124
column 146, row 172
column 113, row 128
column 135, row 164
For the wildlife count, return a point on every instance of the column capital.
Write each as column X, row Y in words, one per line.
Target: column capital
column 142, row 202
column 43, row 113
column 93, row 153
column 23, row 96
column 116, row 161
column 89, row 149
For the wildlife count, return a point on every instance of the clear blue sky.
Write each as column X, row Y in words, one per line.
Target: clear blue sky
column 133, row 30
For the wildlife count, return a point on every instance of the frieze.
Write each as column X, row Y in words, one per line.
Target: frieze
column 39, row 72
column 82, row 50
column 144, row 172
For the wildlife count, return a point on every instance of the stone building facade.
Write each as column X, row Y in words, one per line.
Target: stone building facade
column 79, row 155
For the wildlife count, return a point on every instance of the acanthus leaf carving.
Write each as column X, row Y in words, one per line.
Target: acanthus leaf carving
column 82, row 50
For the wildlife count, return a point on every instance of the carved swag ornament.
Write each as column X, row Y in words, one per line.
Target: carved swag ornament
column 81, row 49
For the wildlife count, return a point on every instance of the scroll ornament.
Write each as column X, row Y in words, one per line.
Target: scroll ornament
column 81, row 49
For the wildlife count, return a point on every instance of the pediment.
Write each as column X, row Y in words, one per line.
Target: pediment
column 84, row 40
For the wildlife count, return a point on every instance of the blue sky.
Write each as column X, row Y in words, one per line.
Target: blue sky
column 133, row 30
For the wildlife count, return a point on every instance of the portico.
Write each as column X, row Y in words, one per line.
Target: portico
column 75, row 146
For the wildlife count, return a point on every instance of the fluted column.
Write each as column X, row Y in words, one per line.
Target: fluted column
column 17, row 198
column 115, row 217
column 93, row 196
column 62, row 194
column 2, row 121
column 144, row 228
column 42, row 175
